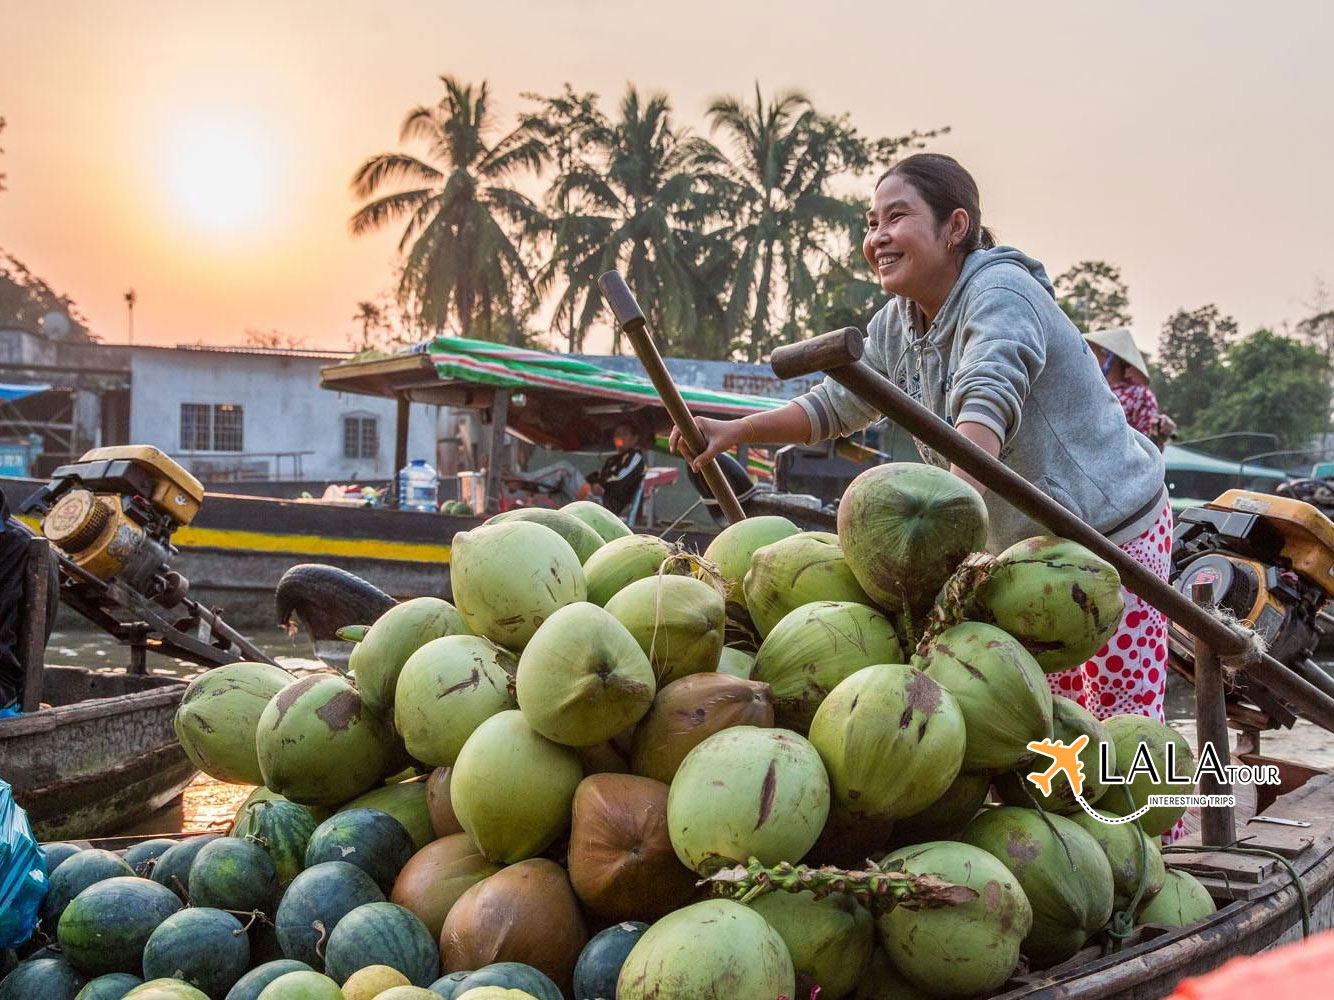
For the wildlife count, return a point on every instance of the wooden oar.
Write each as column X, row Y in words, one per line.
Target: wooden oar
column 839, row 353
column 631, row 318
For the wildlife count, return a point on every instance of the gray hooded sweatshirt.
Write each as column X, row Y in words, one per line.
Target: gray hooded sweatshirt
column 1001, row 353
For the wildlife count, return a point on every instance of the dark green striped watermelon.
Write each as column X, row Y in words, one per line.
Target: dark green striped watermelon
column 450, row 985
column 173, row 867
column 373, row 840
column 234, row 875
column 108, row 924
column 514, row 976
column 280, row 827
column 77, row 873
column 112, row 986
column 600, row 962
column 143, row 857
column 44, row 978
column 406, row 802
column 382, row 934
column 264, row 946
column 205, row 947
column 56, row 854
column 252, row 984
column 315, row 902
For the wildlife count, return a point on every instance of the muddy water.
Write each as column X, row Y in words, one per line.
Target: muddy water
column 208, row 804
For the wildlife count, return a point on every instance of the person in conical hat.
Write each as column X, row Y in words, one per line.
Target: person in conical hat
column 1127, row 373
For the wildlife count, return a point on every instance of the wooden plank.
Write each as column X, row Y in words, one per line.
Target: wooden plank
column 1223, row 889
column 32, row 643
column 1289, row 841
column 1221, row 864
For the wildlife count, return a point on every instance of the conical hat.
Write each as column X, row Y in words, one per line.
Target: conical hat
column 1120, row 342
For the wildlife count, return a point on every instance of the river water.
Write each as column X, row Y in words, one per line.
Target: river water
column 209, row 804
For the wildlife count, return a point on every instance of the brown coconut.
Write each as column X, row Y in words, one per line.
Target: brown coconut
column 603, row 758
column 848, row 840
column 621, row 860
column 524, row 913
column 687, row 712
column 443, row 820
column 436, row 876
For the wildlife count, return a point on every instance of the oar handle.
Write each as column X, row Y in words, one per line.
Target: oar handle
column 632, row 323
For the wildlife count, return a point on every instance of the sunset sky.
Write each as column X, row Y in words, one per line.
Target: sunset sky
column 202, row 157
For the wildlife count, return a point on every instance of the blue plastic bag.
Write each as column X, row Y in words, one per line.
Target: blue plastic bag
column 22, row 873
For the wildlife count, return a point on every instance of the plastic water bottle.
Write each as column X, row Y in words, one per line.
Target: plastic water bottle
column 417, row 486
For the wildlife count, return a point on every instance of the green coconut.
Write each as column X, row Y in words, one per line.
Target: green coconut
column 319, row 744
column 904, row 528
column 814, row 648
column 509, row 578
column 892, row 740
column 512, row 788
column 948, row 815
column 622, row 561
column 964, row 949
column 1062, row 870
column 732, row 549
column 736, row 662
column 1069, row 721
column 678, row 622
column 1130, row 853
column 447, row 689
column 599, row 518
column 797, row 570
column 218, row 716
column 1141, row 742
column 1004, row 696
column 583, row 677
column 747, row 792
column 830, row 940
column 1056, row 597
column 711, row 950
column 583, row 538
column 1181, row 902
column 377, row 660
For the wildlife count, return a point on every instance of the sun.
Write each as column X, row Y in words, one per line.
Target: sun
column 221, row 172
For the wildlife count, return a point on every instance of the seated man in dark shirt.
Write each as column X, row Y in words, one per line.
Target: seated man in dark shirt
column 619, row 478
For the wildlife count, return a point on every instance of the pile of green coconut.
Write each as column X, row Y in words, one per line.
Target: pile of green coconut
column 592, row 774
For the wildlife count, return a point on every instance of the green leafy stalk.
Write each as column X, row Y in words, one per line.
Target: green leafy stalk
column 878, row 888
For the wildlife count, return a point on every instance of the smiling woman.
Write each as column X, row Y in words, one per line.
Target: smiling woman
column 221, row 172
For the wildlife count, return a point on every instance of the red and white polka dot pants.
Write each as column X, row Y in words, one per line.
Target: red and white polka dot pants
column 1128, row 676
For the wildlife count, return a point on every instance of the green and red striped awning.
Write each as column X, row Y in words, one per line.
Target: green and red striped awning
column 518, row 368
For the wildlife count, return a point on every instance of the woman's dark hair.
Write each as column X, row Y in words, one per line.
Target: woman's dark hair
column 945, row 185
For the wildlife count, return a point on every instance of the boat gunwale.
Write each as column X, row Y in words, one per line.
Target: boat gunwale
column 49, row 719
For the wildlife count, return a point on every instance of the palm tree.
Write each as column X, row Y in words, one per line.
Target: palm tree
column 632, row 206
column 773, row 189
column 462, row 245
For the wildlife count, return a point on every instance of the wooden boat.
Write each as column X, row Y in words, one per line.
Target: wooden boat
column 103, row 755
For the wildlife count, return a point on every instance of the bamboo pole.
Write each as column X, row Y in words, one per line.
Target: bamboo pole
column 1218, row 827
column 839, row 355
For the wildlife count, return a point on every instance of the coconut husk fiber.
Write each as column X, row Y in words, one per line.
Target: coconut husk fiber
column 687, row 712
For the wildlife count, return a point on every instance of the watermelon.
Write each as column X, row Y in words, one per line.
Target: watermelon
column 108, row 924
column 143, row 857
column 302, row 986
column 382, row 934
column 600, row 962
column 450, row 985
column 207, row 948
column 282, row 828
column 56, row 854
column 173, row 867
column 77, row 873
column 112, row 986
column 512, row 976
column 44, row 978
column 252, row 984
column 165, row 989
column 406, row 802
column 315, row 902
column 234, row 875
column 373, row 840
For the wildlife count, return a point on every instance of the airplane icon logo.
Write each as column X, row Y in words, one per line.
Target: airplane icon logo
column 1064, row 758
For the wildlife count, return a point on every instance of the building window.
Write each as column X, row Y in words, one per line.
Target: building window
column 361, row 437
column 212, row 427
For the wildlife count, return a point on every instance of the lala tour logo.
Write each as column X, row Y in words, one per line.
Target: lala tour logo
column 1065, row 759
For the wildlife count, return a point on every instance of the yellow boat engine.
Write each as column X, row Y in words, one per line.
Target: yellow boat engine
column 1269, row 562
column 110, row 517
